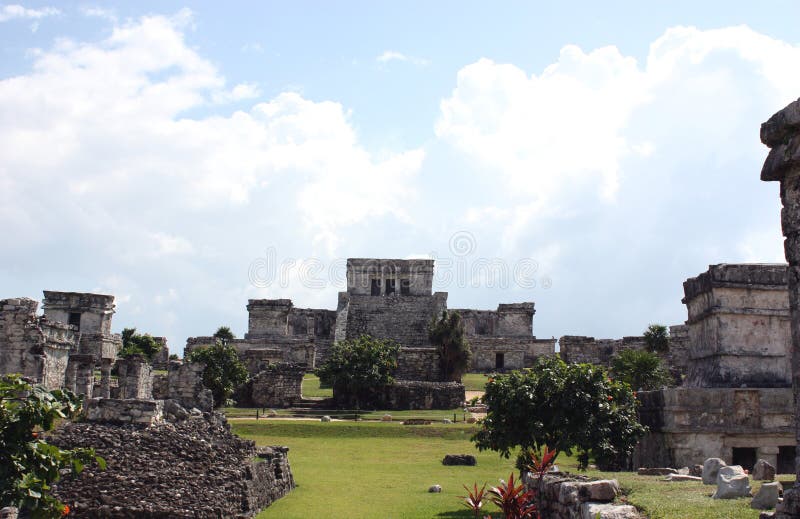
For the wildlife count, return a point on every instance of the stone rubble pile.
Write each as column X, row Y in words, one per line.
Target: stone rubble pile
column 193, row 468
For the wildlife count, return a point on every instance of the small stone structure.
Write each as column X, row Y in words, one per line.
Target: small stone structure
column 279, row 385
column 781, row 133
column 185, row 386
column 735, row 403
column 135, row 378
column 118, row 411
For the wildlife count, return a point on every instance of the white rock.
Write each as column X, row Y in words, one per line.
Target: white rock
column 767, row 496
column 732, row 482
column 608, row 511
column 325, row 418
column 435, row 489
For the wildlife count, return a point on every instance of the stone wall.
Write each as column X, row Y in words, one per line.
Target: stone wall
column 279, row 385
column 190, row 468
column 739, row 326
column 418, row 364
column 366, row 274
column 404, row 319
column 517, row 352
column 128, row 411
column 185, row 385
column 93, row 311
column 407, row 394
column 688, row 425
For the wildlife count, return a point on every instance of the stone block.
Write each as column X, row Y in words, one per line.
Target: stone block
column 656, row 471
column 763, row 471
column 460, row 459
column 607, row 511
column 602, row 490
column 732, row 482
column 767, row 496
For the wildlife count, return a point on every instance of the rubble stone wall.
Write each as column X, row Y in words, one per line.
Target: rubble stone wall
column 128, row 411
column 185, row 385
column 418, row 364
column 279, row 385
column 135, row 378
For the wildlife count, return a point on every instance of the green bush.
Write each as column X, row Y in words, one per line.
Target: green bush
column 657, row 338
column 641, row 369
column 28, row 464
column 447, row 334
column 356, row 368
column 138, row 344
column 565, row 407
column 224, row 371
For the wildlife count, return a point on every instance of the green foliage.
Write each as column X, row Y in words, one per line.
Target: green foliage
column 173, row 356
column 447, row 333
column 354, row 367
column 28, row 464
column 474, row 498
column 657, row 338
column 641, row 369
column 223, row 373
column 138, row 344
column 224, row 334
column 564, row 406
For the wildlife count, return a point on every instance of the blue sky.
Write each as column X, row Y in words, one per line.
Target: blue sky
column 594, row 154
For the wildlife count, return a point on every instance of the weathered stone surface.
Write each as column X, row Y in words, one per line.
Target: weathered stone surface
column 767, row 496
column 278, row 385
column 789, row 506
column 129, row 411
column 763, row 471
column 9, row 512
column 711, row 468
column 407, row 394
column 192, row 468
column 460, row 459
column 655, row 471
column 185, row 385
column 732, row 482
column 602, row 490
column 607, row 511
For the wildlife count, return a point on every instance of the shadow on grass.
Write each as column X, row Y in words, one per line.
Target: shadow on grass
column 465, row 514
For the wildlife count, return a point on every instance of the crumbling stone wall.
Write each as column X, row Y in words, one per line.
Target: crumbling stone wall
column 279, row 385
column 185, row 385
column 128, row 411
column 31, row 345
column 194, row 468
column 569, row 496
column 407, row 394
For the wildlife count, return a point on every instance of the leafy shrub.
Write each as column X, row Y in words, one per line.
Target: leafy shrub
column 657, row 338
column 224, row 371
column 474, row 498
column 355, row 368
column 564, row 406
column 641, row 369
column 138, row 344
column 513, row 500
column 28, row 464
column 447, row 334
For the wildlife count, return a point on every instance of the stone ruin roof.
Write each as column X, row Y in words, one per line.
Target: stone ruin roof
column 192, row 468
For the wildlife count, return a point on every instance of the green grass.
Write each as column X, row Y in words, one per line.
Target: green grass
column 474, row 381
column 374, row 469
column 349, row 414
column 312, row 389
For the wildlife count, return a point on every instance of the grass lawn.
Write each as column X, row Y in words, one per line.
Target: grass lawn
column 348, row 414
column 474, row 381
column 311, row 387
column 374, row 469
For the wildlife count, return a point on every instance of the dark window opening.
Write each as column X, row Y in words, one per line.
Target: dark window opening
column 390, row 286
column 481, row 328
column 744, row 456
column 405, row 287
column 499, row 360
column 75, row 319
column 376, row 287
column 786, row 455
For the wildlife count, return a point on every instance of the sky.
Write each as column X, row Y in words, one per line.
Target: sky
column 587, row 156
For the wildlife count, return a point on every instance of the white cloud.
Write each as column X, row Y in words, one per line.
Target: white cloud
column 392, row 55
column 16, row 11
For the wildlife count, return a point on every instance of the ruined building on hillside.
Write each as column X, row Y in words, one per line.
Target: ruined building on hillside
column 391, row 299
column 736, row 402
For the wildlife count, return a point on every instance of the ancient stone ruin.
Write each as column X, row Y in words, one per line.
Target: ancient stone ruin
column 736, row 400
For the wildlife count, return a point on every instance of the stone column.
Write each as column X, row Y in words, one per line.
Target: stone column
column 71, row 376
column 84, row 374
column 105, row 378
column 781, row 133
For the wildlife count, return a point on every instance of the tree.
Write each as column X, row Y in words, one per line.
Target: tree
column 224, row 371
column 564, row 407
column 356, row 367
column 138, row 344
column 28, row 464
column 657, row 338
column 447, row 333
column 224, row 334
column 641, row 369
